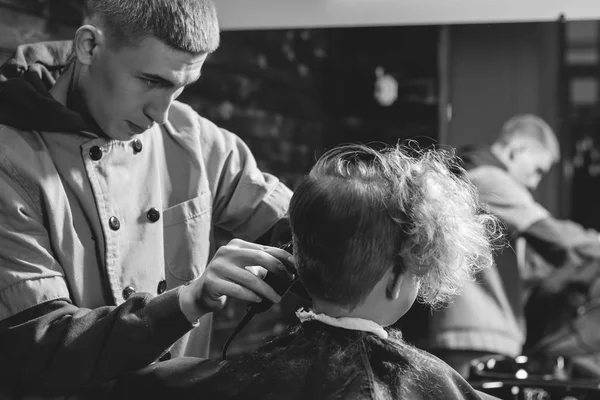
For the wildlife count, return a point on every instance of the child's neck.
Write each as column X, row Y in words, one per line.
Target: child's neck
column 363, row 311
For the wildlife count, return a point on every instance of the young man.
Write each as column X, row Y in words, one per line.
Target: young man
column 111, row 196
column 371, row 232
column 489, row 317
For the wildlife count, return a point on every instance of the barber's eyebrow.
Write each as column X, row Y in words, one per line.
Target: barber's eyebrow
column 164, row 81
column 157, row 78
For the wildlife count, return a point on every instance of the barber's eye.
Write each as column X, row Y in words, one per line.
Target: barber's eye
column 149, row 82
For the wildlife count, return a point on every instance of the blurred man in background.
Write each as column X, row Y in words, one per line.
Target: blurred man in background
column 489, row 317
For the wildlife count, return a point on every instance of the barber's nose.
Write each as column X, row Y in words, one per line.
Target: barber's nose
column 158, row 109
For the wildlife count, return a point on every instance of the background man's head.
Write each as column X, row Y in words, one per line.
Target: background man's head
column 528, row 147
column 136, row 57
column 365, row 220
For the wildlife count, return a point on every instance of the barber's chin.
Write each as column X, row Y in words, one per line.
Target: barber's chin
column 122, row 133
column 135, row 129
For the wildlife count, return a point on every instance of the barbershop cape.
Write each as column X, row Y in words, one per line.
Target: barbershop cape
column 313, row 361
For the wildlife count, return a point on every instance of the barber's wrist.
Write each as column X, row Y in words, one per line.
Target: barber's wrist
column 163, row 315
column 187, row 304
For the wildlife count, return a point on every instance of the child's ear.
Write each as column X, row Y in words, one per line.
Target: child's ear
column 394, row 285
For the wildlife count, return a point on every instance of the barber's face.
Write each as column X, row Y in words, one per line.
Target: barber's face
column 127, row 90
column 528, row 164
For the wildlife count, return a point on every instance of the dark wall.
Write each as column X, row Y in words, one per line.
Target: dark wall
column 269, row 88
column 292, row 93
column 408, row 55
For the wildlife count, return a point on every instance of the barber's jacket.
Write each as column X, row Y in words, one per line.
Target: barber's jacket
column 94, row 220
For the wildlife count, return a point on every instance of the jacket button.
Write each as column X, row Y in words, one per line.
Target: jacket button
column 137, row 145
column 153, row 215
column 114, row 223
column 96, row 153
column 162, row 286
column 127, row 292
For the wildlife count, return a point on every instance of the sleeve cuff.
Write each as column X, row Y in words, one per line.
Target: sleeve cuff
column 164, row 316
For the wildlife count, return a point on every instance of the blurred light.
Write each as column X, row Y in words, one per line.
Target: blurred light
column 386, row 88
column 521, row 374
column 492, row 385
column 521, row 359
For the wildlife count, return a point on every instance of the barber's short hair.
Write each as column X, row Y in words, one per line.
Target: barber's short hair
column 361, row 212
column 186, row 25
column 532, row 127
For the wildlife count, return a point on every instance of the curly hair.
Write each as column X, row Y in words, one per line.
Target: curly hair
column 361, row 211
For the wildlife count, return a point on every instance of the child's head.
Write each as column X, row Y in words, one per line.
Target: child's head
column 372, row 229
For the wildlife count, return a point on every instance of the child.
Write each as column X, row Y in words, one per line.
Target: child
column 372, row 231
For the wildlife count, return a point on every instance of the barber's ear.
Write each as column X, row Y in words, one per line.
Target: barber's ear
column 88, row 41
column 394, row 285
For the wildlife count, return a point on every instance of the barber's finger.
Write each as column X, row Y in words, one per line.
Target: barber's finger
column 286, row 258
column 276, row 252
column 237, row 291
column 242, row 244
column 264, row 258
column 250, row 281
column 257, row 270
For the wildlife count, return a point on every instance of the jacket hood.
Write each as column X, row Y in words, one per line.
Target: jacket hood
column 25, row 80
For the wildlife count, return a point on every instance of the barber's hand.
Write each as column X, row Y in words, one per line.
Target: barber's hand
column 237, row 270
